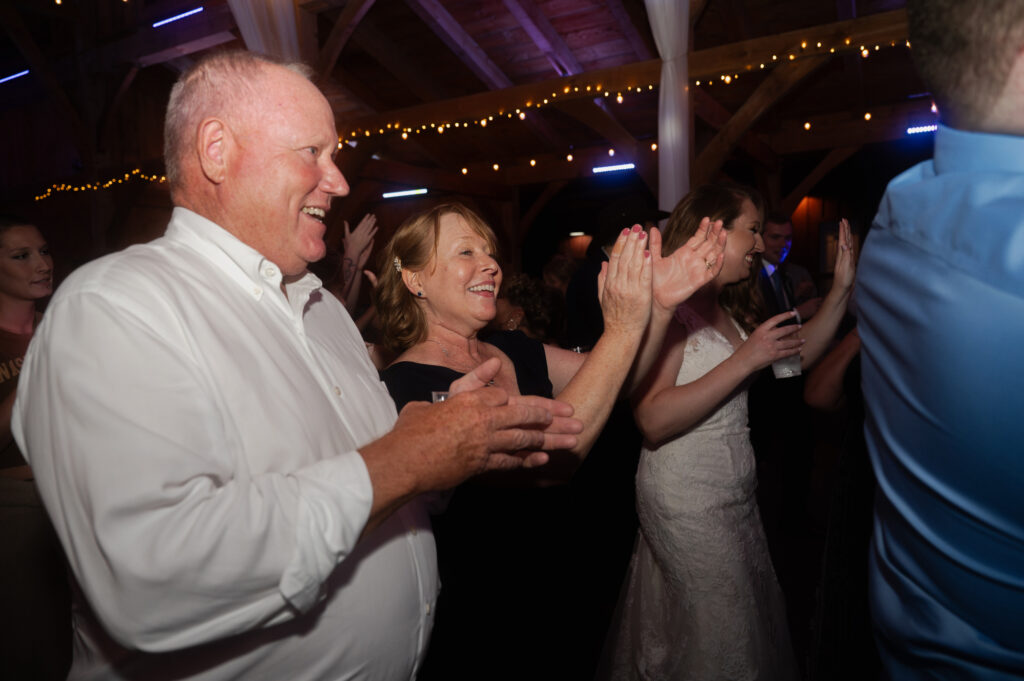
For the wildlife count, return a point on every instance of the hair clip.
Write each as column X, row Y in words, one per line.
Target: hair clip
column 398, row 264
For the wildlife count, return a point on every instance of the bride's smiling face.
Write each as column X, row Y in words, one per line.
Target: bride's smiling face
column 742, row 244
column 461, row 281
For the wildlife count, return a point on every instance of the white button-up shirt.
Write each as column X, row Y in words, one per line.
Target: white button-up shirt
column 193, row 432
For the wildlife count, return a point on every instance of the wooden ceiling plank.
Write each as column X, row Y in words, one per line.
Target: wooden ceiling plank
column 827, row 164
column 470, row 53
column 444, row 25
column 544, row 36
column 629, row 22
column 780, row 81
column 183, row 49
column 342, row 30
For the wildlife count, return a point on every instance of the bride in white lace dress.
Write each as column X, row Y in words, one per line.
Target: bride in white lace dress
column 702, row 601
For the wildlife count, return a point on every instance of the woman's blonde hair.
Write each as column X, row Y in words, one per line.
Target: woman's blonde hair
column 742, row 299
column 412, row 247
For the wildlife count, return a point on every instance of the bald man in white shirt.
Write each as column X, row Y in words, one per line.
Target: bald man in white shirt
column 236, row 496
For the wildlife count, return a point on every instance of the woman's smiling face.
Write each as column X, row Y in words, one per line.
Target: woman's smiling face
column 743, row 242
column 462, row 279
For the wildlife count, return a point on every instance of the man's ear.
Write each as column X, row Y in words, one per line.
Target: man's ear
column 213, row 147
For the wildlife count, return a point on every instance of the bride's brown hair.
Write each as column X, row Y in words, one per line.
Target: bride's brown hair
column 724, row 201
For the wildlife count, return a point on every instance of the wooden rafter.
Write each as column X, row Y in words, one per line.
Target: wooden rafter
column 450, row 31
column 697, row 8
column 544, row 36
column 444, row 25
column 714, row 114
column 342, row 30
column 831, row 160
column 885, row 27
column 836, row 130
column 874, row 29
column 591, row 113
column 780, row 81
column 629, row 22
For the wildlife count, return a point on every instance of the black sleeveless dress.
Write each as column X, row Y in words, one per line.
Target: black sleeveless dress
column 505, row 604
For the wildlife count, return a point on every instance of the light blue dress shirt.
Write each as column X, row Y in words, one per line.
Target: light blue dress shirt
column 940, row 295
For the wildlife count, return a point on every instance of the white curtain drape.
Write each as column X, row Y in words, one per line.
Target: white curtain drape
column 670, row 25
column 268, row 27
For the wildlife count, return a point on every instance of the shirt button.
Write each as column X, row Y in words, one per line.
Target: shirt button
column 428, row 608
column 337, row 391
column 256, row 291
column 269, row 272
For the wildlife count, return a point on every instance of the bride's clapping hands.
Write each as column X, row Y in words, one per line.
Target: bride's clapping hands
column 691, row 266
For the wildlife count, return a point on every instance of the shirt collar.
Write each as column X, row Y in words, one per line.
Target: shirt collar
column 967, row 151
column 241, row 262
column 769, row 268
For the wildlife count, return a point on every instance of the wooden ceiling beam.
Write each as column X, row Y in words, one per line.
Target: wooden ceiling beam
column 630, row 21
column 418, row 80
column 717, row 116
column 840, row 129
column 827, row 164
column 593, row 114
column 342, row 30
column 697, row 8
column 874, row 29
column 780, row 81
column 544, row 36
column 740, row 57
column 450, row 31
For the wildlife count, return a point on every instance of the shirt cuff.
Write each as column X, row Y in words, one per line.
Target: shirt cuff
column 335, row 498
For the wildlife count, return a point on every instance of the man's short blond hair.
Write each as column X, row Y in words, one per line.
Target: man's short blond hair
column 964, row 51
column 223, row 83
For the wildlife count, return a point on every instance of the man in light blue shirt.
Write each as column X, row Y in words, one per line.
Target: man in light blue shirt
column 941, row 317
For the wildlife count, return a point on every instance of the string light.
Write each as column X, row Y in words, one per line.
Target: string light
column 96, row 186
column 867, row 116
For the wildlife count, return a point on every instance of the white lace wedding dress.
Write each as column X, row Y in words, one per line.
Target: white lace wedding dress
column 702, row 601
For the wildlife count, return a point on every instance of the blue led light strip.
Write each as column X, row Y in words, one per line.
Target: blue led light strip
column 189, row 13
column 407, row 192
